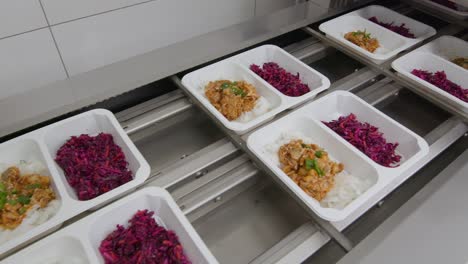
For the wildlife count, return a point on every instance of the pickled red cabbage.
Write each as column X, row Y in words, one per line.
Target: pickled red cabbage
column 401, row 29
column 93, row 165
column 366, row 138
column 143, row 241
column 440, row 80
column 284, row 81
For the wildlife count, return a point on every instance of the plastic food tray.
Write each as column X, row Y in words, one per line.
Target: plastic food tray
column 42, row 145
column 307, row 121
column 391, row 43
column 80, row 241
column 237, row 68
column 454, row 13
column 447, row 47
column 433, row 57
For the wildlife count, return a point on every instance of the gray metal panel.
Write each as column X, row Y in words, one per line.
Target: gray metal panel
column 429, row 228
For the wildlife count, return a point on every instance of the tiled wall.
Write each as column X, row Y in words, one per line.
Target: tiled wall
column 42, row 41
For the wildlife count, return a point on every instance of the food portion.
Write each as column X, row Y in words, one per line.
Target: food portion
column 143, row 241
column 309, row 166
column 401, row 29
column 93, row 165
column 287, row 83
column 236, row 100
column 363, row 40
column 26, row 198
column 315, row 171
column 440, row 80
column 21, row 193
column 367, row 138
column 462, row 62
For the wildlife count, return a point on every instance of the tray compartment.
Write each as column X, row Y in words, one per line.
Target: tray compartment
column 391, row 43
column 420, row 30
column 430, row 62
column 344, row 103
column 270, row 53
column 93, row 123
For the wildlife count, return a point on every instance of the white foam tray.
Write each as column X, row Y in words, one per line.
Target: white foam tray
column 81, row 240
column 391, row 43
column 237, row 68
column 447, row 47
column 307, row 121
column 42, row 145
column 425, row 58
column 454, row 13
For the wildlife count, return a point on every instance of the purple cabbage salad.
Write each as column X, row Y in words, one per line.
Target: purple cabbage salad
column 367, row 138
column 142, row 242
column 440, row 80
column 284, row 81
column 401, row 29
column 93, row 165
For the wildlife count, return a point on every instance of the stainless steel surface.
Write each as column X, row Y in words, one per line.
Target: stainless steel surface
column 188, row 132
column 432, row 219
column 250, row 224
column 94, row 86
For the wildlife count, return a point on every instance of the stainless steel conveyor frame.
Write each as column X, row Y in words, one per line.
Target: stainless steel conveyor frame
column 439, row 139
column 206, row 179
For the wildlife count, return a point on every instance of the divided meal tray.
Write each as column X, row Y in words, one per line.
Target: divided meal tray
column 436, row 56
column 79, row 242
column 237, row 68
column 42, row 145
column 391, row 43
column 307, row 121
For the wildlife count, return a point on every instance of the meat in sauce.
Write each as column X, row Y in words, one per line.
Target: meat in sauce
column 363, row 40
column 232, row 99
column 309, row 166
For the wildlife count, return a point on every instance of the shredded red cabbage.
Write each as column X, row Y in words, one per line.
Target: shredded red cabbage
column 142, row 242
column 440, row 80
column 401, row 29
column 93, row 165
column 285, row 82
column 366, row 138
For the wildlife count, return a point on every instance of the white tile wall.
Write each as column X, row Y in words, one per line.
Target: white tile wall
column 29, row 61
column 92, row 42
column 59, row 11
column 18, row 16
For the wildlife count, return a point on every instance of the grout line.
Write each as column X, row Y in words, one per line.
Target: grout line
column 100, row 13
column 55, row 41
column 21, row 33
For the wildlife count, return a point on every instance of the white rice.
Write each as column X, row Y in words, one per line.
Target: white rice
column 261, row 106
column 347, row 186
column 36, row 215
